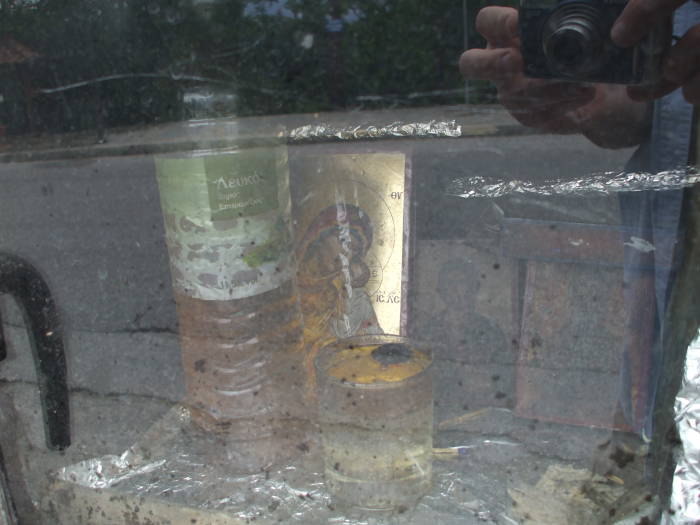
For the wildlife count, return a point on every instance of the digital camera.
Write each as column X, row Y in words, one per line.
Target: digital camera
column 570, row 40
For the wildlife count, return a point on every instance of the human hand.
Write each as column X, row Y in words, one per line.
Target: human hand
column 547, row 105
column 603, row 113
column 681, row 66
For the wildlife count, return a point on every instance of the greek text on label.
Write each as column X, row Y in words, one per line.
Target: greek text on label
column 229, row 184
column 244, row 204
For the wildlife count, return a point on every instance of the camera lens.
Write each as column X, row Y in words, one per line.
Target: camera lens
column 567, row 48
column 572, row 40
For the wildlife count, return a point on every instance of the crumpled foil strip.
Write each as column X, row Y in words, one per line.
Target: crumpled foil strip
column 102, row 473
column 599, row 183
column 324, row 132
column 685, row 495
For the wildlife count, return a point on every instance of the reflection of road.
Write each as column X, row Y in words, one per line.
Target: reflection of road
column 71, row 216
column 94, row 228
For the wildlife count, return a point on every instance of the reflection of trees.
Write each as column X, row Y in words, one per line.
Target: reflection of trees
column 129, row 61
column 405, row 48
column 83, row 41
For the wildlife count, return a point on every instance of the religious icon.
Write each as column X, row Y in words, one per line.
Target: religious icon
column 332, row 274
column 350, row 223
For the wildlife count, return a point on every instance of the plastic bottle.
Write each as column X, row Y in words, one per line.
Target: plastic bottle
column 226, row 208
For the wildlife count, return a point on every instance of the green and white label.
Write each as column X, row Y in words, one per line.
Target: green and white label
column 227, row 222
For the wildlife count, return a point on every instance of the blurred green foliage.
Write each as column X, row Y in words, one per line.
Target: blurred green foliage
column 126, row 62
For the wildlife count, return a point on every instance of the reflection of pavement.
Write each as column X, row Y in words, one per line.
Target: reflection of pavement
column 473, row 360
column 89, row 217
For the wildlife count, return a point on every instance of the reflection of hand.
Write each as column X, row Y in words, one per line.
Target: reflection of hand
column 603, row 113
column 551, row 106
column 682, row 64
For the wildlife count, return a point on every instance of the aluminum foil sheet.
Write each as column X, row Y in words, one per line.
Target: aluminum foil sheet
column 490, row 467
column 595, row 184
column 685, row 496
column 325, row 132
column 183, row 469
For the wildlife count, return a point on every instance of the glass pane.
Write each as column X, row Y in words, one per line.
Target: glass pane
column 306, row 262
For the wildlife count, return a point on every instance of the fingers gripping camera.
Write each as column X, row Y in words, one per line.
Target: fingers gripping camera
column 570, row 40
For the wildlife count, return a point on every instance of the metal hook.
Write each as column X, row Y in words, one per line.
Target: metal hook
column 23, row 281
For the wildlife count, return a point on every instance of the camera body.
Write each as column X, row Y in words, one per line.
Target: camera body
column 570, row 40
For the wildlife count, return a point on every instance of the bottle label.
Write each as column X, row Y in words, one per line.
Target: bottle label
column 241, row 187
column 227, row 222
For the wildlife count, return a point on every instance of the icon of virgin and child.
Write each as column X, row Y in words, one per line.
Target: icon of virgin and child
column 332, row 275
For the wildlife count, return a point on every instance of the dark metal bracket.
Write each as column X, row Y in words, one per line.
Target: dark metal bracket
column 24, row 282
